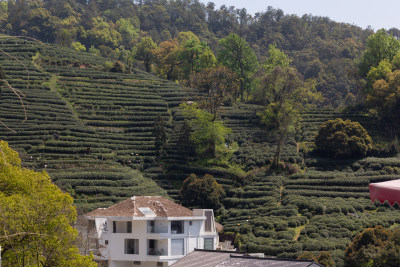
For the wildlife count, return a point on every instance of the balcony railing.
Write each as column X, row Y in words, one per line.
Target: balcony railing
column 155, row 252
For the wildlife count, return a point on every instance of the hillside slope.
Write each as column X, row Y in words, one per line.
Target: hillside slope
column 83, row 124
column 92, row 130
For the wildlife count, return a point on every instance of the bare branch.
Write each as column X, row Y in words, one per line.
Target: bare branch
column 25, row 233
column 19, row 94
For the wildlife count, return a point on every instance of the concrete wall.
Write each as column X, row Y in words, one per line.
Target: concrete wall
column 193, row 236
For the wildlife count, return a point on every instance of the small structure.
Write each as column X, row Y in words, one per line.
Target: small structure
column 385, row 191
column 149, row 231
column 218, row 258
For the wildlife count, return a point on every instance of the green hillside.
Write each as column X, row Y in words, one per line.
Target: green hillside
column 92, row 131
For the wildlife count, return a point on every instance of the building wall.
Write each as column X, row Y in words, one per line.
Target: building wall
column 193, row 237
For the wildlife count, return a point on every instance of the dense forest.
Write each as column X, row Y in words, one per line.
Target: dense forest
column 277, row 122
column 320, row 48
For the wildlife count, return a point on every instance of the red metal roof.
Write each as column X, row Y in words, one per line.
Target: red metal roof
column 386, row 191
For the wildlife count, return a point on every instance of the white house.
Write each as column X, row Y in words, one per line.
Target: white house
column 150, row 231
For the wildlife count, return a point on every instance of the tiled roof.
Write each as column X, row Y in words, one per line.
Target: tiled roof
column 161, row 207
column 215, row 258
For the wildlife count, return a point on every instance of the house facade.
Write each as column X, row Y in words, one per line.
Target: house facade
column 149, row 231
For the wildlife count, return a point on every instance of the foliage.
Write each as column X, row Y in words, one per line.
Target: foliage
column 374, row 247
column 145, row 52
column 37, row 218
column 160, row 134
column 339, row 138
column 204, row 192
column 285, row 94
column 236, row 54
column 380, row 46
column 216, row 85
column 275, row 58
column 78, row 46
column 209, row 133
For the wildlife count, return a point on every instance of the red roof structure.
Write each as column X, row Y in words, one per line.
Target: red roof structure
column 385, row 191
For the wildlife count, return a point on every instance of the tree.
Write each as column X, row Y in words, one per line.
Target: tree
column 161, row 136
column 189, row 55
column 339, row 138
column 168, row 64
column 276, row 57
column 128, row 30
column 209, row 133
column 285, row 95
column 236, row 54
column 215, row 85
column 36, row 218
column 372, row 247
column 380, row 46
column 204, row 192
column 385, row 99
column 102, row 33
column 145, row 52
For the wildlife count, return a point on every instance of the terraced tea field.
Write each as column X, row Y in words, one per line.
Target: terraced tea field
column 92, row 130
column 83, row 124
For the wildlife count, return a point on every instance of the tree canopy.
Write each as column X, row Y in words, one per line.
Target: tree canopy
column 236, row 54
column 36, row 218
column 338, row 138
column 374, row 247
column 209, row 133
column 204, row 192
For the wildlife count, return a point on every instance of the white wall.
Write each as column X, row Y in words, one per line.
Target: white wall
column 115, row 250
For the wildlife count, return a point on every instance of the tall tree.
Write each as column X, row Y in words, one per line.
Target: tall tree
column 215, row 85
column 36, row 218
column 380, row 46
column 209, row 133
column 145, row 51
column 236, row 54
column 286, row 94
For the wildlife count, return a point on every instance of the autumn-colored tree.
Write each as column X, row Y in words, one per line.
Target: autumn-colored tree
column 338, row 138
column 368, row 248
column 168, row 64
column 36, row 218
column 215, row 85
column 202, row 192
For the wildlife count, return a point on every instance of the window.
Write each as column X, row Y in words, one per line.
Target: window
column 137, row 263
column 190, row 222
column 122, row 227
column 150, row 226
column 160, row 264
column 177, row 227
column 177, row 247
column 207, row 226
column 106, row 242
column 131, row 246
column 129, row 227
column 209, row 243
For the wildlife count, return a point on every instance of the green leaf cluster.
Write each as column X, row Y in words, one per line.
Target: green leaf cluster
column 338, row 138
column 36, row 218
column 204, row 192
